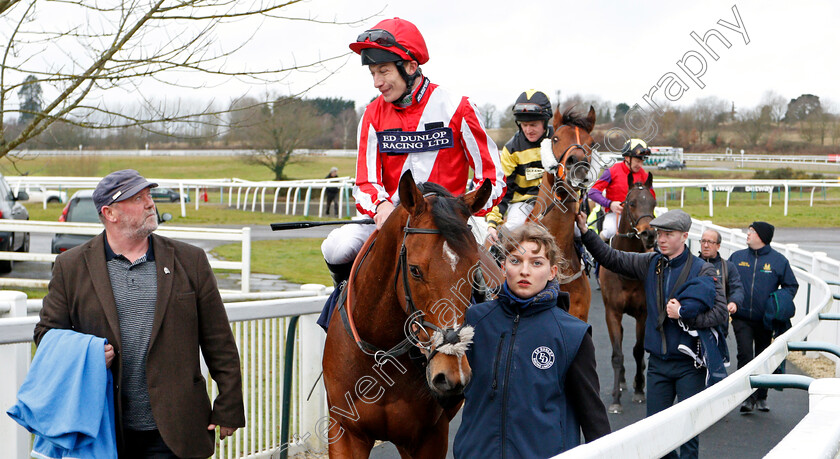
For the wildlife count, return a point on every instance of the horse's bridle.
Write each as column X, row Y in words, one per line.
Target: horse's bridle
column 633, row 223
column 415, row 315
column 561, row 172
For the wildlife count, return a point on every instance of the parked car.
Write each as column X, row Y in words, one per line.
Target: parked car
column 671, row 164
column 167, row 195
column 37, row 194
column 80, row 209
column 11, row 208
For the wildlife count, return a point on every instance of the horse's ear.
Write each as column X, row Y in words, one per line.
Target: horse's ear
column 630, row 181
column 410, row 196
column 649, row 181
column 558, row 118
column 590, row 120
column 477, row 198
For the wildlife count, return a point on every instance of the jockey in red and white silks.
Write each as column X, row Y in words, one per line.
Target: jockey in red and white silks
column 614, row 183
column 437, row 136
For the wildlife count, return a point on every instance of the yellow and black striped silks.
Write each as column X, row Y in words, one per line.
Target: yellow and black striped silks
column 522, row 165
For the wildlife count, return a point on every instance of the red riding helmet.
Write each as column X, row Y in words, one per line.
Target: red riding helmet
column 391, row 40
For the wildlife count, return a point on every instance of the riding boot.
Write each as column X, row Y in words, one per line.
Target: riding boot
column 339, row 272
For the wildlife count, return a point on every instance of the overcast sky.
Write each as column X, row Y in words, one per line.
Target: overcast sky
column 492, row 50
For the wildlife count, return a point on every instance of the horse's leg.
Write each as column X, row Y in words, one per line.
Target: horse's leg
column 346, row 444
column 434, row 444
column 639, row 356
column 616, row 333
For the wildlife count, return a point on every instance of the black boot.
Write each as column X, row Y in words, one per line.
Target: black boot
column 340, row 272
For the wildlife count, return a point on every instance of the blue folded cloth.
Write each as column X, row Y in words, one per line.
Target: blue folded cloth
column 67, row 398
column 697, row 296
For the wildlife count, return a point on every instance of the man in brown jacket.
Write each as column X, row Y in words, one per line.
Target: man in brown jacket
column 156, row 302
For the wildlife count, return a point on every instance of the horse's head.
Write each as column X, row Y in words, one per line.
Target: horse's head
column 567, row 154
column 437, row 264
column 638, row 208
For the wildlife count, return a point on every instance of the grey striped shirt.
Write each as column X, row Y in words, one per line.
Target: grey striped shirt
column 135, row 292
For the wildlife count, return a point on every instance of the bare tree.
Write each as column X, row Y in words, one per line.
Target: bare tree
column 753, row 124
column 124, row 43
column 706, row 114
column 777, row 104
column 815, row 127
column 280, row 128
column 488, row 113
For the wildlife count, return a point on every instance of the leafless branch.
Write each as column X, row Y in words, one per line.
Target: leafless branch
column 125, row 43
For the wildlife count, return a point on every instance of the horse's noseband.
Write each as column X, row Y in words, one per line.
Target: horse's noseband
column 562, row 173
column 416, row 317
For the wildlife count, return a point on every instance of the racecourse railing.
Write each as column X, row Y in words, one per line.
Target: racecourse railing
column 261, row 331
column 729, row 186
column 253, row 196
column 294, row 190
column 663, row 432
column 242, row 236
column 820, row 160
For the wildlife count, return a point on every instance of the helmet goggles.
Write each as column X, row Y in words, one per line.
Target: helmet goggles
column 383, row 38
column 527, row 107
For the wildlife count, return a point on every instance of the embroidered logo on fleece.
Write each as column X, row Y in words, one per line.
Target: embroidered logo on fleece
column 542, row 357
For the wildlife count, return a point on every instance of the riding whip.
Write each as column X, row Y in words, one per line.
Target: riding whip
column 299, row 225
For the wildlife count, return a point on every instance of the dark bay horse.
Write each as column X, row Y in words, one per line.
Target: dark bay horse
column 627, row 296
column 557, row 202
column 394, row 362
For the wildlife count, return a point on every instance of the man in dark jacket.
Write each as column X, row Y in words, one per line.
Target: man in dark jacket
column 671, row 373
column 156, row 302
column 725, row 269
column 763, row 271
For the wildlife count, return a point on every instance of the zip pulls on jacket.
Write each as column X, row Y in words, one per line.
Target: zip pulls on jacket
column 507, row 374
column 752, row 287
column 496, row 365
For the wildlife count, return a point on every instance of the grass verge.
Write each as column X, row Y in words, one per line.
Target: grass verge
column 295, row 260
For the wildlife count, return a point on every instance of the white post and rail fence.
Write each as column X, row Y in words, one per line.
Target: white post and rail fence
column 243, row 236
column 262, row 330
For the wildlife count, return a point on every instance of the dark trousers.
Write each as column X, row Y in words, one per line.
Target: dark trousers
column 145, row 444
column 747, row 334
column 332, row 198
column 669, row 379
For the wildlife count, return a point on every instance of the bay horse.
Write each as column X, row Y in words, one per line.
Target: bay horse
column 394, row 362
column 623, row 295
column 567, row 167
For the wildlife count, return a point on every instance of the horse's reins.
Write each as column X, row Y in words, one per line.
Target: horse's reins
column 561, row 165
column 633, row 223
column 449, row 335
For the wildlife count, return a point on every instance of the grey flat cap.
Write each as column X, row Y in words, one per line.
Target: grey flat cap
column 119, row 186
column 673, row 220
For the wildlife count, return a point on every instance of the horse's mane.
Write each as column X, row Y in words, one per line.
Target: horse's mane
column 573, row 118
column 448, row 213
